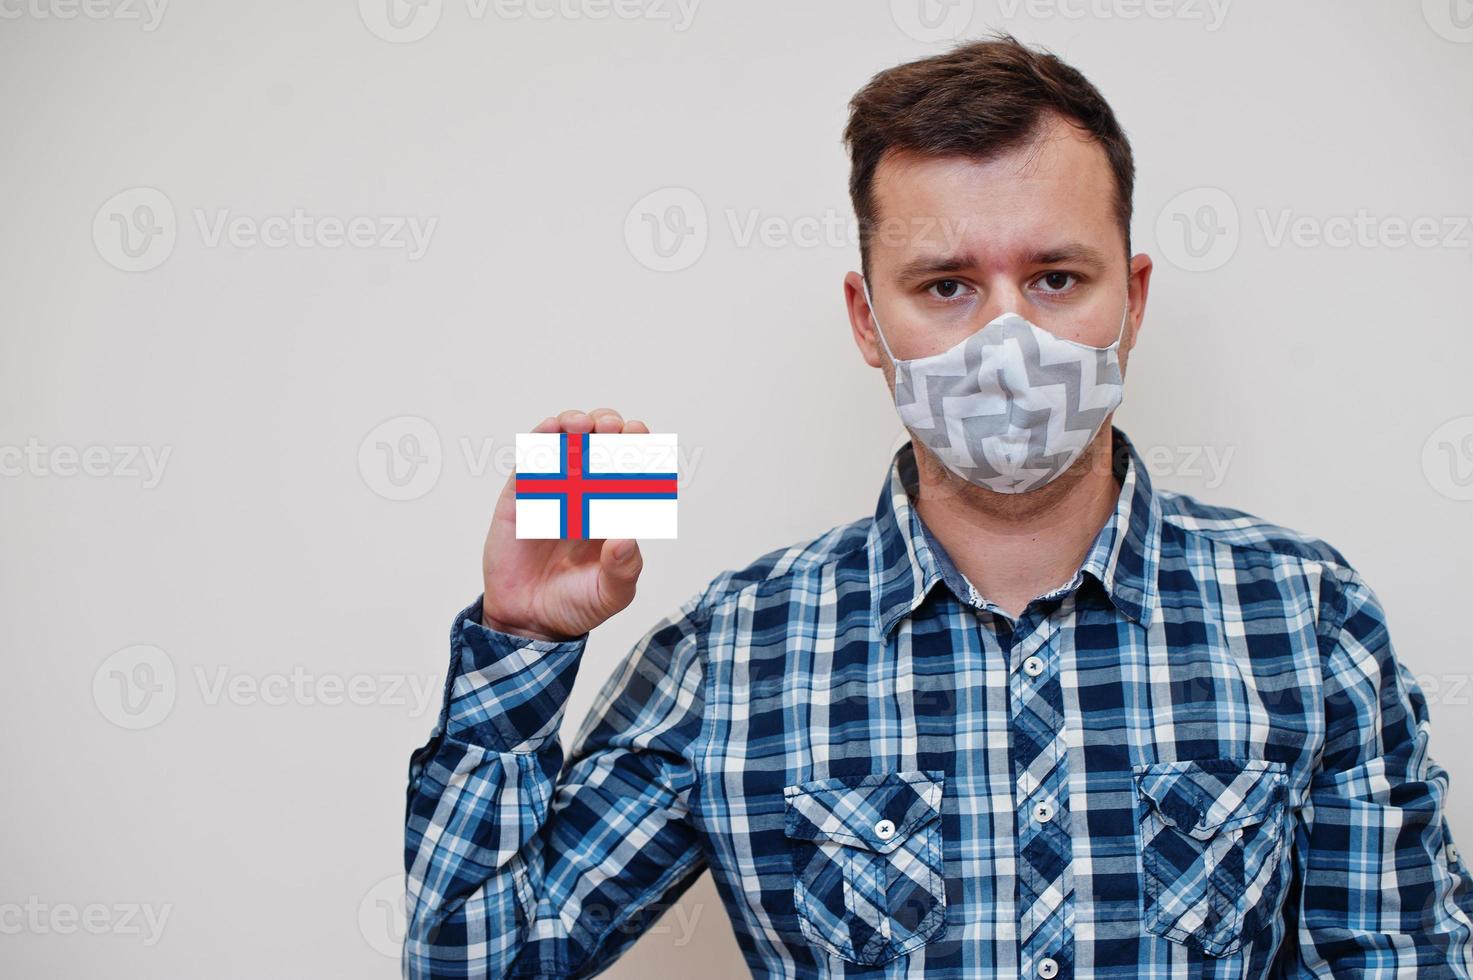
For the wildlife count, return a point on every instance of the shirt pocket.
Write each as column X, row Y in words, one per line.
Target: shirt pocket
column 1212, row 847
column 867, row 866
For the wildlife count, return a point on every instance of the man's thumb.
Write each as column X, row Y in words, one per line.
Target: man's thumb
column 619, row 564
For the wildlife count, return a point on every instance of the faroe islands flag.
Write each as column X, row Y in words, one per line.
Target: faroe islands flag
column 596, row 485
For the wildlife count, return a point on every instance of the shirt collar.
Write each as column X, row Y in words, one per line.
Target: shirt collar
column 906, row 561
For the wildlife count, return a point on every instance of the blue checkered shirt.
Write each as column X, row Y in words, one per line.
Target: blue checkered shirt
column 1200, row 757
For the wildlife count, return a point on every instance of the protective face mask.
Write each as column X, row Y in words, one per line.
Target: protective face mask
column 1011, row 406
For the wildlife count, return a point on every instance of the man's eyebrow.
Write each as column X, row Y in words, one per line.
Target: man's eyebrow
column 931, row 265
column 1068, row 252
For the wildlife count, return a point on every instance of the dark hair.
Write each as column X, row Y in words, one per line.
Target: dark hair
column 979, row 100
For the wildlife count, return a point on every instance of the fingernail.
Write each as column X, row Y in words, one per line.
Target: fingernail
column 624, row 550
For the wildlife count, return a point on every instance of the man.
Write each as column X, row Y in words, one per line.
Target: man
column 1033, row 718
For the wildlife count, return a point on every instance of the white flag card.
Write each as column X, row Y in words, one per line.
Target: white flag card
column 596, row 485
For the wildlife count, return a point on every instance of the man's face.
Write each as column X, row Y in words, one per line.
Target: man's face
column 961, row 242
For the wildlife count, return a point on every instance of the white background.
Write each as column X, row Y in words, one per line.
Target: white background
column 276, row 556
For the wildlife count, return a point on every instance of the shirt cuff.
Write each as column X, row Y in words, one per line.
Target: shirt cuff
column 507, row 692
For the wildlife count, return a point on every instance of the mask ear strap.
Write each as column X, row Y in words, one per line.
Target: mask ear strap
column 878, row 332
column 1120, row 334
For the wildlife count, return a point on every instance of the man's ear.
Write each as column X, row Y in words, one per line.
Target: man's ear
column 861, row 323
column 1138, row 288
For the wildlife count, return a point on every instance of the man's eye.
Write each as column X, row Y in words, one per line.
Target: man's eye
column 946, row 288
column 1057, row 282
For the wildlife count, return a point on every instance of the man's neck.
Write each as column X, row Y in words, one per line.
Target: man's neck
column 1016, row 547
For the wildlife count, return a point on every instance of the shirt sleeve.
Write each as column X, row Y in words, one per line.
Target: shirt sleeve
column 1381, row 890
column 518, row 864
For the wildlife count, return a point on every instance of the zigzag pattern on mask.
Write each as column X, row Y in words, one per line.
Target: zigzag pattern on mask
column 1019, row 421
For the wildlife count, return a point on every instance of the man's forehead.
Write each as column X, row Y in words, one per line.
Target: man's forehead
column 1054, row 193
column 1076, row 177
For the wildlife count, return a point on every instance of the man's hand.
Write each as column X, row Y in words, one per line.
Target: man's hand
column 550, row 589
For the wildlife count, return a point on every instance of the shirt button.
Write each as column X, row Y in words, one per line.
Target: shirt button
column 1043, row 812
column 1048, row 968
column 884, row 830
column 1033, row 666
column 1452, row 853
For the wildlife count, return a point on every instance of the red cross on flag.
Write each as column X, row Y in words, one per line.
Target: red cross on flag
column 596, row 485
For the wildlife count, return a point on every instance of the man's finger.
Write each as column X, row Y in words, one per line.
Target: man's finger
column 606, row 420
column 575, row 420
